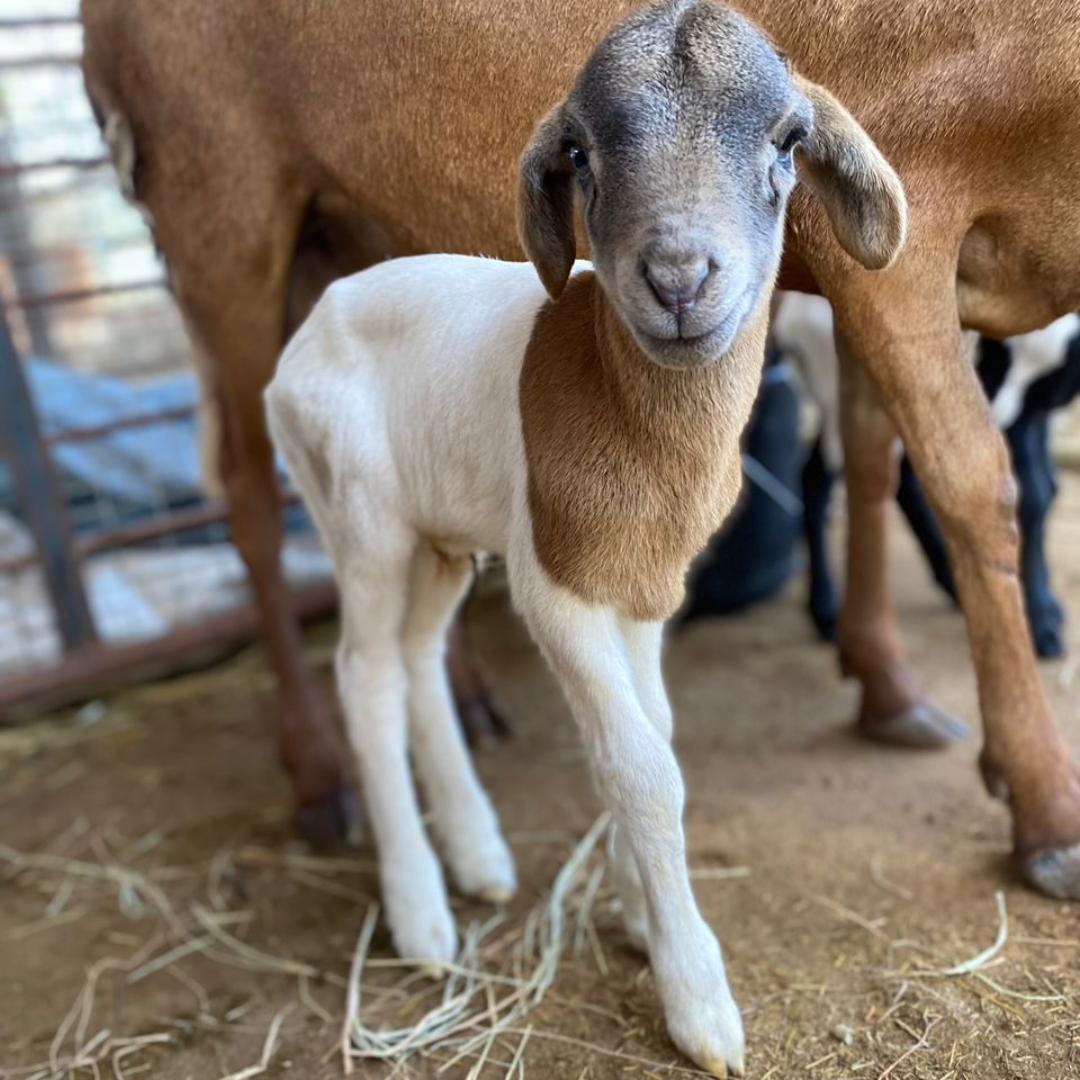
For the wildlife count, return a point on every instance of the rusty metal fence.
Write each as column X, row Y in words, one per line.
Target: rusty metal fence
column 112, row 562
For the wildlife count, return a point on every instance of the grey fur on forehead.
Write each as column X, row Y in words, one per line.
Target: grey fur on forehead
column 691, row 55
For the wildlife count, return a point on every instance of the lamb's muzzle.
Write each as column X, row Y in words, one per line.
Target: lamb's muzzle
column 434, row 406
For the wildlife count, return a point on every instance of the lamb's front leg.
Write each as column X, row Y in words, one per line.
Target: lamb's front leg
column 640, row 783
column 643, row 642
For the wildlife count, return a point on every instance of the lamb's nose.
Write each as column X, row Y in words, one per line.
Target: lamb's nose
column 677, row 285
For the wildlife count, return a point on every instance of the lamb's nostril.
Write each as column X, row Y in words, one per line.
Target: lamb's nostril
column 677, row 287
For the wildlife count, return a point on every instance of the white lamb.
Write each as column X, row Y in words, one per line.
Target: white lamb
column 437, row 406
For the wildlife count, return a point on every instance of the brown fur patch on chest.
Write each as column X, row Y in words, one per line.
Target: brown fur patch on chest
column 631, row 467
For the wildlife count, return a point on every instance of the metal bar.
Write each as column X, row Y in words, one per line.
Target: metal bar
column 97, row 667
column 40, row 496
column 125, row 423
column 74, row 296
column 154, row 528
column 17, row 63
column 15, row 168
column 139, row 532
column 24, row 22
column 17, row 563
column 66, row 256
column 19, row 241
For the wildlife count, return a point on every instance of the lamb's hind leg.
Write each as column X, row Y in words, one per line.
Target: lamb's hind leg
column 640, row 783
column 463, row 817
column 373, row 683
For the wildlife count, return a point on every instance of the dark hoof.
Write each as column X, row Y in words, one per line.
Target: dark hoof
column 332, row 821
column 1048, row 643
column 922, row 727
column 1055, row 872
column 482, row 720
column 824, row 623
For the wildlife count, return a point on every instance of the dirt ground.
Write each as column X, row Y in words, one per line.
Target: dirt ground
column 865, row 871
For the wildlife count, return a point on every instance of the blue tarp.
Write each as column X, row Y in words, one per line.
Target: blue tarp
column 147, row 466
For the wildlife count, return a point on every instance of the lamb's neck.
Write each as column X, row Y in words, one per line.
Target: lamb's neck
column 705, row 408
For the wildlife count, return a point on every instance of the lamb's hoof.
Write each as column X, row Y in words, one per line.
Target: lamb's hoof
column 482, row 720
column 332, row 820
column 709, row 1032
column 485, row 870
column 922, row 727
column 417, row 908
column 426, row 936
column 702, row 1017
column 1055, row 873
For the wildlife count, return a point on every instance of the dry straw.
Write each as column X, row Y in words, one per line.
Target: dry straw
column 478, row 1004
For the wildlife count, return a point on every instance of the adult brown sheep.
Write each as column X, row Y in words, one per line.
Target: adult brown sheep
column 278, row 144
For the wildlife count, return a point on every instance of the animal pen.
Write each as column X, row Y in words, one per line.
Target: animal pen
column 159, row 916
column 113, row 563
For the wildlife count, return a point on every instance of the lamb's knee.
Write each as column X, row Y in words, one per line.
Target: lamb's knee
column 636, row 770
column 377, row 678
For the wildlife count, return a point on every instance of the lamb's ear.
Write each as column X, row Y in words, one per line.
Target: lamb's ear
column 860, row 191
column 545, row 206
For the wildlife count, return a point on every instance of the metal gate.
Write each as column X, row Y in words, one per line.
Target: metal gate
column 112, row 561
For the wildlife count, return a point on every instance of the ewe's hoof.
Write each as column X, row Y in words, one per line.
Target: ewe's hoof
column 332, row 820
column 922, row 727
column 1055, row 872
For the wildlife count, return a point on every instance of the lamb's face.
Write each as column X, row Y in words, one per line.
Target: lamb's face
column 679, row 138
column 681, row 131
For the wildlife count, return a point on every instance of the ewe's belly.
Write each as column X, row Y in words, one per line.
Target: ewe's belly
column 1011, row 282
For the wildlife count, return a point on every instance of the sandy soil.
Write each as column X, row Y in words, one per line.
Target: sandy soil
column 866, row 867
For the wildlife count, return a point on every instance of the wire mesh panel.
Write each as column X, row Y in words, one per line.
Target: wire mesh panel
column 104, row 359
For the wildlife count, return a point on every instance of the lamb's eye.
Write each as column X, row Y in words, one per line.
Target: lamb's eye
column 578, row 158
column 791, row 140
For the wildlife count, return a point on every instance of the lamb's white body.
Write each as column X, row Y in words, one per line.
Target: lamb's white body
column 396, row 407
column 408, row 377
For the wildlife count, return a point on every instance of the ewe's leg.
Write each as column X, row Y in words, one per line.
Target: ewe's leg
column 462, row 815
column 372, row 681
column 905, row 333
column 894, row 708
column 230, row 282
column 640, row 783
